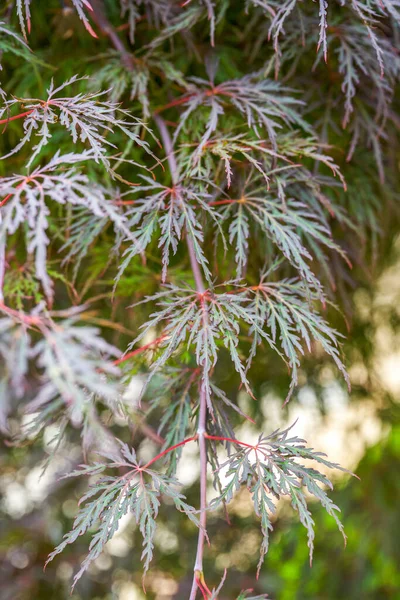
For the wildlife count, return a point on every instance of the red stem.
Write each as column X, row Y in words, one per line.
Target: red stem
column 227, row 439
column 20, row 316
column 193, row 439
column 219, row 202
column 5, row 199
column 2, row 203
column 124, row 202
column 202, row 589
column 170, row 449
column 139, row 350
column 15, row 117
column 175, row 102
column 186, row 97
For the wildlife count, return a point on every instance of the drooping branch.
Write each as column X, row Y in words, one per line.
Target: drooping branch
column 201, row 429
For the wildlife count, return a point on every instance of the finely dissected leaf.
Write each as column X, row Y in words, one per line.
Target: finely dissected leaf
column 284, row 308
column 75, row 368
column 136, row 79
column 283, row 13
column 110, row 498
column 271, row 470
column 29, row 198
column 173, row 211
column 256, row 152
column 205, row 322
column 263, row 103
column 284, row 212
column 279, row 313
column 87, row 117
column 71, row 358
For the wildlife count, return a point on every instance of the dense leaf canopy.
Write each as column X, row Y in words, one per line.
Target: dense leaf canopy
column 189, row 193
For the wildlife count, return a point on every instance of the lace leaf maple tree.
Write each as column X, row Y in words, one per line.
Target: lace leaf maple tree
column 203, row 172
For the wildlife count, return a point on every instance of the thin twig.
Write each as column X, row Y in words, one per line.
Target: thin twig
column 220, row 438
column 104, row 24
column 126, row 357
column 106, row 27
column 2, row 268
column 15, row 117
column 170, row 449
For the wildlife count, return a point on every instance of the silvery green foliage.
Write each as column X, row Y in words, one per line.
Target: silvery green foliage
column 368, row 12
column 187, row 322
column 286, row 214
column 242, row 173
column 284, row 307
column 86, row 117
column 270, row 470
column 138, row 491
column 264, row 104
column 276, row 313
column 175, row 212
column 29, row 199
column 367, row 61
column 255, row 151
column 69, row 358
